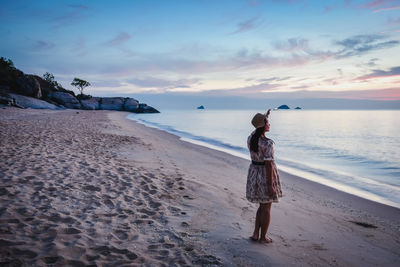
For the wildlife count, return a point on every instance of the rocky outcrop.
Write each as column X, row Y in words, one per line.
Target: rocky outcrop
column 27, row 85
column 31, row 91
column 27, row 102
column 116, row 103
column 131, row 104
column 65, row 99
column 91, row 103
column 112, row 103
column 143, row 108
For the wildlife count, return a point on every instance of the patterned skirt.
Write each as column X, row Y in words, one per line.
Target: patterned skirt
column 257, row 184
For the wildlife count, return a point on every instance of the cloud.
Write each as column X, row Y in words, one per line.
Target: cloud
column 275, row 79
column 386, row 9
column 119, row 39
column 245, row 26
column 395, row 71
column 255, row 89
column 372, row 63
column 381, row 5
column 361, row 44
column 163, row 84
column 106, row 83
column 375, row 4
column 72, row 17
column 245, row 59
column 292, row 45
column 41, row 45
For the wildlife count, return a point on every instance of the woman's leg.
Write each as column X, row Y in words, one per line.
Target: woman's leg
column 256, row 233
column 265, row 219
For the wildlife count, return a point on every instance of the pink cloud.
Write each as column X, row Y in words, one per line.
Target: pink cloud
column 376, row 4
column 378, row 74
column 386, row 9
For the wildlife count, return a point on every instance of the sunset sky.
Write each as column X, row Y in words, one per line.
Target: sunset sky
column 256, row 48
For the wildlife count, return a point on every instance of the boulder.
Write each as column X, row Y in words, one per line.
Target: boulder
column 143, row 108
column 65, row 99
column 112, row 103
column 30, row 102
column 27, row 85
column 131, row 104
column 91, row 103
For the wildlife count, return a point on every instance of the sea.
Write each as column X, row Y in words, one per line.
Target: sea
column 355, row 151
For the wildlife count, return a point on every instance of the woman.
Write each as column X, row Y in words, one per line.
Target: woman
column 263, row 185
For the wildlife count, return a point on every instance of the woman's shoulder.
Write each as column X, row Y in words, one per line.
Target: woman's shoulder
column 268, row 141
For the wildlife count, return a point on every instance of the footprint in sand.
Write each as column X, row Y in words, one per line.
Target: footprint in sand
column 70, row 231
column 52, row 259
column 154, row 204
column 91, row 188
column 147, row 212
column 122, row 235
column 109, row 203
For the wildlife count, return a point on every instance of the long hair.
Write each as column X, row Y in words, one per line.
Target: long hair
column 255, row 137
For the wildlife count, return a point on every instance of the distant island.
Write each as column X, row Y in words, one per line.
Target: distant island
column 200, row 107
column 31, row 91
column 283, row 107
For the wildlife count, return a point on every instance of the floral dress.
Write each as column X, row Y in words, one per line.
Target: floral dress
column 259, row 175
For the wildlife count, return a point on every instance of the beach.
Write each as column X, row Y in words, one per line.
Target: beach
column 94, row 188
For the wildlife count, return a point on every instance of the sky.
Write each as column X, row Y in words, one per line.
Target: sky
column 260, row 49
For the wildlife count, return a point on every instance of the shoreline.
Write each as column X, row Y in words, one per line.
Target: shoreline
column 94, row 187
column 289, row 170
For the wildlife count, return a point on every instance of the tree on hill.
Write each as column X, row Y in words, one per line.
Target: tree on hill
column 48, row 77
column 6, row 63
column 80, row 84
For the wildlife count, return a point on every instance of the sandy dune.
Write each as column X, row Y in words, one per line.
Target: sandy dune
column 93, row 188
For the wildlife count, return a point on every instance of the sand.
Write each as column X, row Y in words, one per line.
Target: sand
column 93, row 188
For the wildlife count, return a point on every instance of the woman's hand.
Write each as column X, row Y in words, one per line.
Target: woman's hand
column 271, row 191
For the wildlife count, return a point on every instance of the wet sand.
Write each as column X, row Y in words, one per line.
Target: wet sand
column 93, row 188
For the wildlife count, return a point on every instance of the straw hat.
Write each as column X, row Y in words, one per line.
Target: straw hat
column 260, row 119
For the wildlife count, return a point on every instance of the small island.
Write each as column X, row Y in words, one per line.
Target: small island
column 200, row 107
column 283, row 107
column 298, row 108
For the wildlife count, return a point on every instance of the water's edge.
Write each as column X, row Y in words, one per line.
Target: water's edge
column 283, row 164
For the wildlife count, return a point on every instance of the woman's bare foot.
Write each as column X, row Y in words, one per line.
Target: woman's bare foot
column 254, row 238
column 265, row 240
